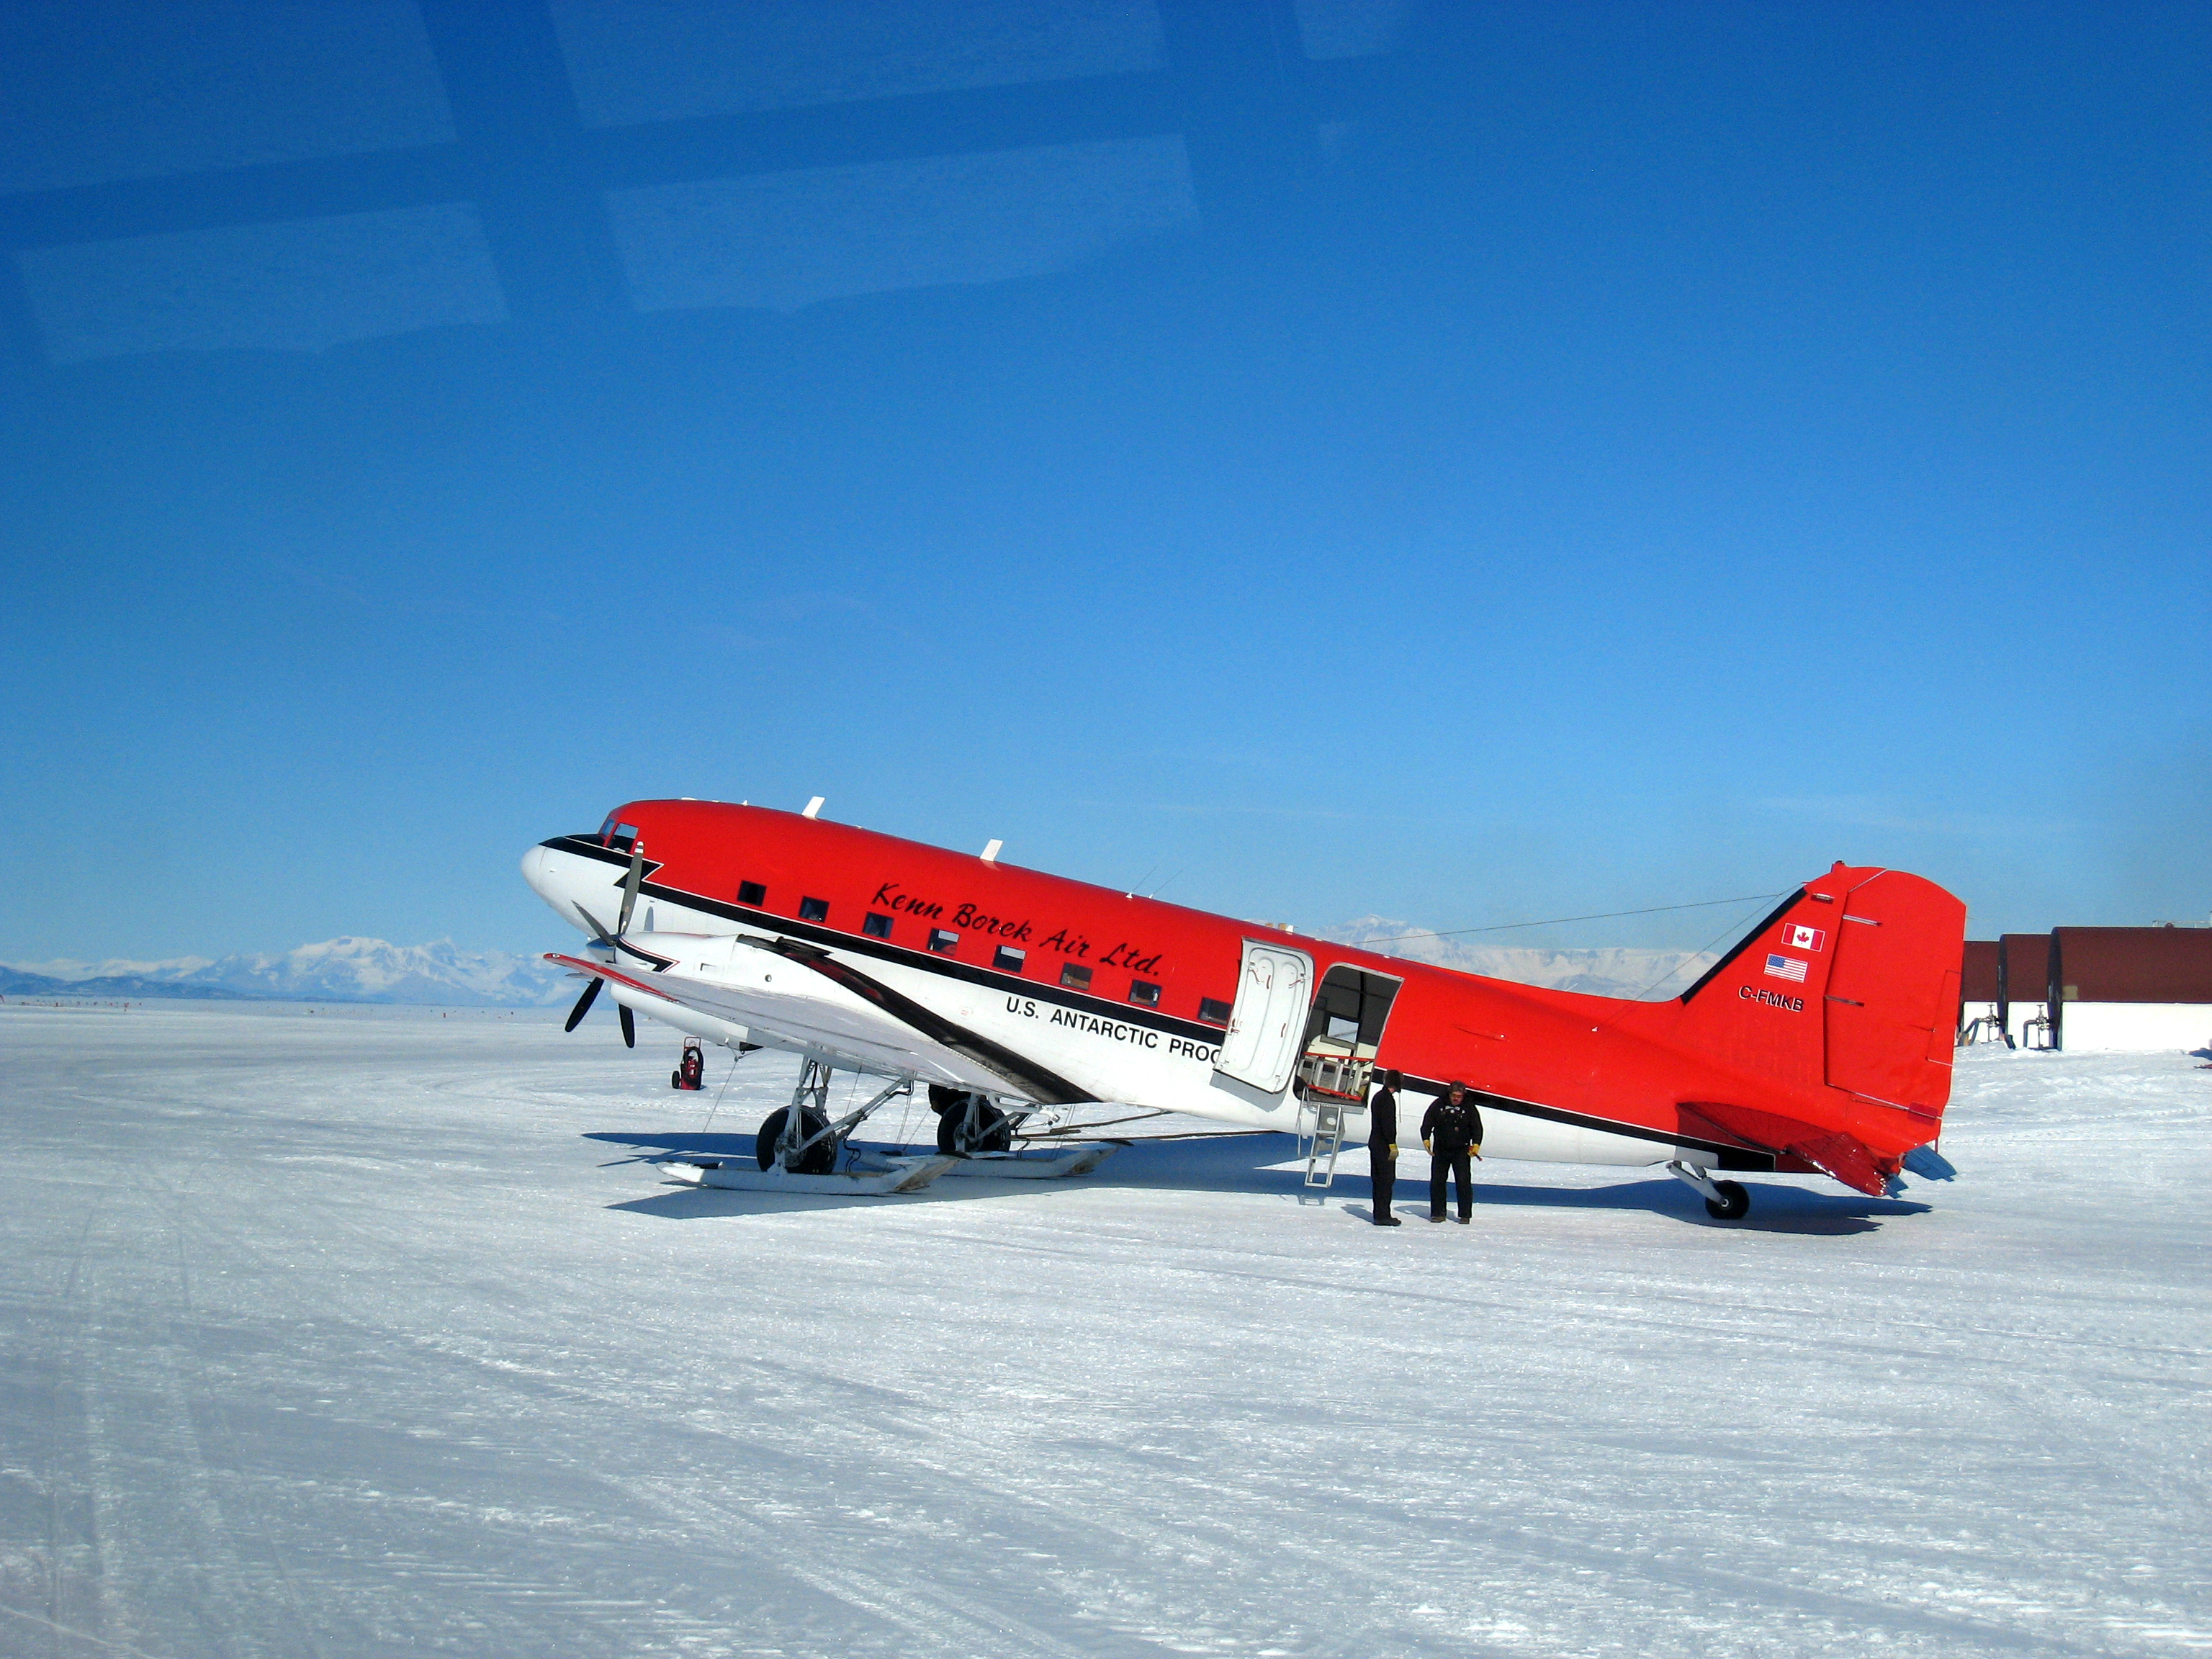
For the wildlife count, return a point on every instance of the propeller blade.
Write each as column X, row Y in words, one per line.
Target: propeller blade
column 584, row 1005
column 630, row 883
column 629, row 1027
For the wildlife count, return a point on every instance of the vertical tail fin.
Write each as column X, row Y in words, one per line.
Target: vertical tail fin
column 1862, row 966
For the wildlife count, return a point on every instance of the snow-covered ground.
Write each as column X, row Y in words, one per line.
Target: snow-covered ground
column 351, row 1334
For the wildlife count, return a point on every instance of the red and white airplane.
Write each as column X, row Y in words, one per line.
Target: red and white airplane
column 1821, row 1042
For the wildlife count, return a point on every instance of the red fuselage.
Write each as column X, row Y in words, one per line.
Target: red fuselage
column 1831, row 1020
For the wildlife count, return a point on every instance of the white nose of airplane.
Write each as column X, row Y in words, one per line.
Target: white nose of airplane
column 537, row 869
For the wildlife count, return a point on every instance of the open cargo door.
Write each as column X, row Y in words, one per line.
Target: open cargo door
column 1266, row 1028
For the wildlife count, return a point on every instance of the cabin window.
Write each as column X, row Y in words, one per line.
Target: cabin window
column 942, row 940
column 751, row 892
column 1008, row 959
column 877, row 925
column 1212, row 1013
column 1075, row 978
column 813, row 909
column 620, row 836
column 1145, row 993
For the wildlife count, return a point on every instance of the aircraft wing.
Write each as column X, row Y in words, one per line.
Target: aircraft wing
column 853, row 1038
column 830, row 1008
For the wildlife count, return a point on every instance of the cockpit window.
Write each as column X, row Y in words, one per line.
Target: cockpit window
column 620, row 836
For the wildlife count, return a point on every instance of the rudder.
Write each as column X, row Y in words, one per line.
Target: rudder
column 1890, row 1011
column 1850, row 983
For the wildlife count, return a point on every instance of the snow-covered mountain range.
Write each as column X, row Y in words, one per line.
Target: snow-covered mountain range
column 1609, row 971
column 337, row 971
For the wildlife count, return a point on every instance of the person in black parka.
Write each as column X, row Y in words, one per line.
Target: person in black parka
column 1451, row 1131
column 1383, row 1145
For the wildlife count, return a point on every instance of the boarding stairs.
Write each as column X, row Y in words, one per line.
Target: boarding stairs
column 1322, row 1140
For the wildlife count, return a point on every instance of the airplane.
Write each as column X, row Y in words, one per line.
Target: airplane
column 1819, row 1043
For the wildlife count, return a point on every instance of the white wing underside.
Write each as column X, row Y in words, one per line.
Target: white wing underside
column 822, row 1019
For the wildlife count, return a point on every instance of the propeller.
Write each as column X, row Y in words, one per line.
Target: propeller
column 631, row 882
column 583, row 1005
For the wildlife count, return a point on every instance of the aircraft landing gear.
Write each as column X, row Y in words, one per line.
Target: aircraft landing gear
column 800, row 1138
column 820, row 1158
column 969, row 1123
column 1725, row 1201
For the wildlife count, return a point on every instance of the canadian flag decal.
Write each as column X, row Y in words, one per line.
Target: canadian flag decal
column 1798, row 937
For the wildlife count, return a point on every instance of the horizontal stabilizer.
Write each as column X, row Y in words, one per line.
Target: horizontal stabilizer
column 1829, row 1150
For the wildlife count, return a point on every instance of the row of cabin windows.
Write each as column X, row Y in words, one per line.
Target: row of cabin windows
column 1006, row 958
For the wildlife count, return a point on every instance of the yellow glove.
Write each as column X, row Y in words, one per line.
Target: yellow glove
column 1427, row 1148
column 1394, row 1152
column 1476, row 1149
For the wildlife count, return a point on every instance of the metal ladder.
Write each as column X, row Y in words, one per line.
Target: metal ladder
column 1323, row 1142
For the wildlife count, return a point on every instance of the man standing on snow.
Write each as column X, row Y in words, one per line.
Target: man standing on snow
column 1451, row 1130
column 1383, row 1145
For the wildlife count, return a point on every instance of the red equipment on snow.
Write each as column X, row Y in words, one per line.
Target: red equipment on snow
column 690, row 1072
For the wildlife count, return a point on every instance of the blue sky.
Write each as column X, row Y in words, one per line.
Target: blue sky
column 1468, row 466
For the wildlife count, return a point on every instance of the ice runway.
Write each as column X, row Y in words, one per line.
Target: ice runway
column 346, row 1334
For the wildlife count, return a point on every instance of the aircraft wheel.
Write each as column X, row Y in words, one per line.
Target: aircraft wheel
column 820, row 1158
column 993, row 1134
column 1735, row 1203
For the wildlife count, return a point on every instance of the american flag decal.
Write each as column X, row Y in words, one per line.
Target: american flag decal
column 1782, row 966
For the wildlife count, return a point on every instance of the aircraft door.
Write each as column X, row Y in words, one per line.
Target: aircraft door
column 1267, row 1025
column 1343, row 1033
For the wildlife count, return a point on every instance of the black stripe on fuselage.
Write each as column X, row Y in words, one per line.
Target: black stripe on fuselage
column 928, row 961
column 808, row 945
column 1032, row 1079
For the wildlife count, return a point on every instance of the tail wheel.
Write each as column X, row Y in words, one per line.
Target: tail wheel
column 992, row 1133
column 820, row 1158
column 1733, row 1203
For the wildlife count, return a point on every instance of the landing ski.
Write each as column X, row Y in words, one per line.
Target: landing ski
column 1037, row 1166
column 881, row 1176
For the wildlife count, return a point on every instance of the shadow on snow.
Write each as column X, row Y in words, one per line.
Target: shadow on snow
column 1250, row 1165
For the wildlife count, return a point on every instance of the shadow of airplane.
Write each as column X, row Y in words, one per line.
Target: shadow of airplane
column 1254, row 1164
column 1234, row 1163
